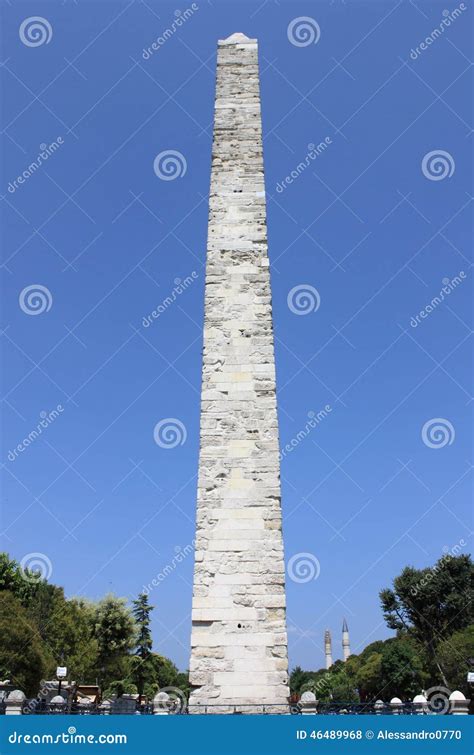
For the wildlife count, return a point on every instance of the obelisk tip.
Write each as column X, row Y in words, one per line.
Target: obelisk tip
column 237, row 39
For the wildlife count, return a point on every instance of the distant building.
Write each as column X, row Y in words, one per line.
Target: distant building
column 346, row 648
column 328, row 648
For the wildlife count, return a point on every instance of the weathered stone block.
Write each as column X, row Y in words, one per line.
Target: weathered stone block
column 239, row 641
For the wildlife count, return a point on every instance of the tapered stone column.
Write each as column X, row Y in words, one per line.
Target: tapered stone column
column 239, row 652
column 328, row 648
column 346, row 645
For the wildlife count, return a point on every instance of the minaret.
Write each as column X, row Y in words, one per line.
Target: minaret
column 328, row 648
column 346, row 648
column 239, row 654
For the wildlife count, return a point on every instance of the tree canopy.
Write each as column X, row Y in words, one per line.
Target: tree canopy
column 22, row 655
column 431, row 604
column 143, row 664
column 110, row 643
column 431, row 611
column 106, row 642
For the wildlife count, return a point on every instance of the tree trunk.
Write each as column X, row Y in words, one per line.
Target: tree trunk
column 439, row 667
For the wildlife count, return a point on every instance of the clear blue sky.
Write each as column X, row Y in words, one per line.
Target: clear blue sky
column 107, row 237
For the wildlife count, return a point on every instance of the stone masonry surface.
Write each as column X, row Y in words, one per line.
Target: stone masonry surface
column 239, row 650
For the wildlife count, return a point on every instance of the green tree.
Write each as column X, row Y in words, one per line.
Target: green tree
column 182, row 682
column 119, row 688
column 386, row 669
column 142, row 668
column 165, row 674
column 94, row 641
column 317, row 682
column 401, row 670
column 299, row 680
column 454, row 654
column 22, row 584
column 22, row 658
column 114, row 631
column 369, row 677
column 343, row 688
column 429, row 604
column 296, row 679
column 42, row 606
column 330, row 684
column 70, row 638
column 363, row 670
column 141, row 611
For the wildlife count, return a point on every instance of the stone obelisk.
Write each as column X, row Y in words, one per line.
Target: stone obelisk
column 239, row 655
